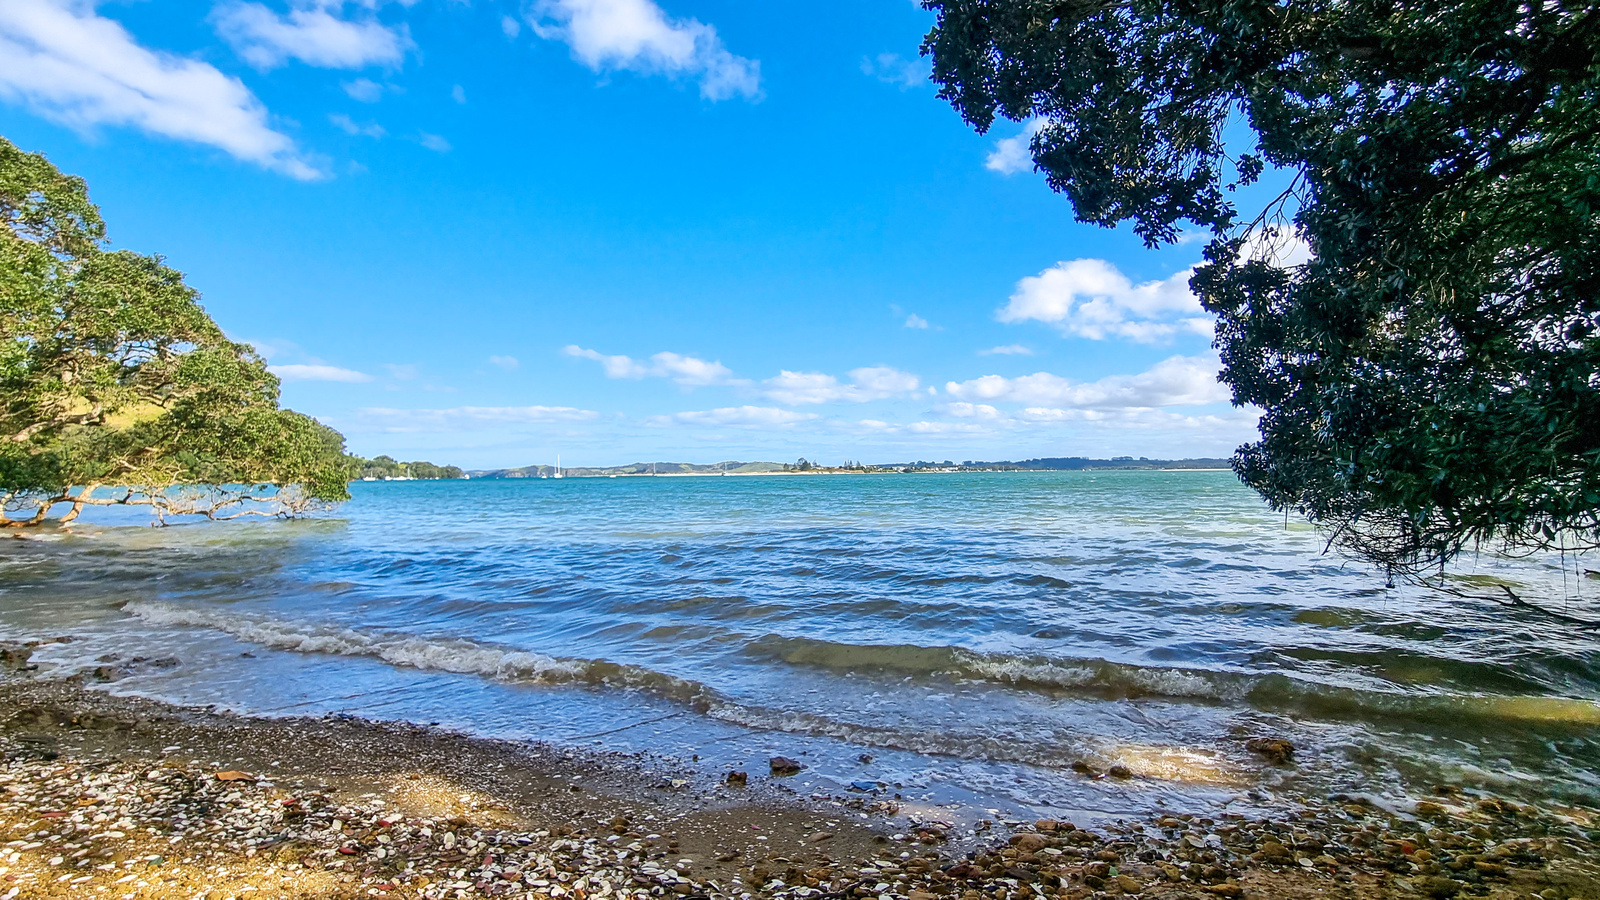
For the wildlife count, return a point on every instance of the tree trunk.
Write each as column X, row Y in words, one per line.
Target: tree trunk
column 77, row 503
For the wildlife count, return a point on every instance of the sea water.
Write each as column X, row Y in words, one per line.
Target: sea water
column 955, row 640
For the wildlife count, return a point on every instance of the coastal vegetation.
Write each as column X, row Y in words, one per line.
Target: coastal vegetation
column 803, row 465
column 386, row 467
column 1403, row 202
column 116, row 387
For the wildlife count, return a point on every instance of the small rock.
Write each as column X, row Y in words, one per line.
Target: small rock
column 783, row 765
column 1029, row 843
column 1120, row 771
column 1276, row 750
column 1129, row 884
column 738, row 779
column 819, row 836
column 234, row 775
column 1438, row 886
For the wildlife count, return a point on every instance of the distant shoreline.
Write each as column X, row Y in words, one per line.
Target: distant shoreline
column 918, row 467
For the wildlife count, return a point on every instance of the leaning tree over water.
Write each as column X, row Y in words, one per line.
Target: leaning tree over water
column 116, row 387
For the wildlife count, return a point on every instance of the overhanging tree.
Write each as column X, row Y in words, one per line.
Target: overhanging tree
column 113, row 376
column 1431, row 377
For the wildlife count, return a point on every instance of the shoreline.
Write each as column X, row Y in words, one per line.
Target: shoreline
column 823, row 472
column 125, row 797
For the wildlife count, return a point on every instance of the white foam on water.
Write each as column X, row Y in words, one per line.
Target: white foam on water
column 446, row 655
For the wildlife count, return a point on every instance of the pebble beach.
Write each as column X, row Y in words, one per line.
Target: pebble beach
column 104, row 796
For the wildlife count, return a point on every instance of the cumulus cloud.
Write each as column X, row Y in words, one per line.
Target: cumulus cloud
column 1178, row 381
column 1092, row 298
column 312, row 32
column 352, row 127
column 637, row 35
column 738, row 416
column 318, row 372
column 869, row 383
column 685, row 370
column 916, row 321
column 434, row 142
column 458, row 94
column 64, row 62
column 364, row 90
column 1007, row 350
column 972, row 411
column 505, row 362
column 892, row 68
column 1014, row 154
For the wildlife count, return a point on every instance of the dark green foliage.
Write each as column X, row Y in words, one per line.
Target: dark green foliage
column 1431, row 378
column 387, row 467
column 111, row 374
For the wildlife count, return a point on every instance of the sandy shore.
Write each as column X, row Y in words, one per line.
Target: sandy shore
column 118, row 797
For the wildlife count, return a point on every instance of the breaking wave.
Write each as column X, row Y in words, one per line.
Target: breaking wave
column 457, row 655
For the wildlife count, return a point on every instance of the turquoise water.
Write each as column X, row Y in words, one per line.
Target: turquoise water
column 973, row 634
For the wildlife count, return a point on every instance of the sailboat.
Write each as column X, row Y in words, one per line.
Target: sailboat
column 558, row 467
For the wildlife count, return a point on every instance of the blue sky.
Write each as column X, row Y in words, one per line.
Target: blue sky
column 486, row 233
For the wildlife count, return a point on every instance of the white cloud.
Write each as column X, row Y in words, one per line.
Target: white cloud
column 351, row 126
column 637, row 35
column 1178, row 381
column 80, row 69
column 870, row 383
column 309, row 372
column 1277, row 245
column 510, row 26
column 474, row 417
column 916, row 321
column 434, row 142
column 364, row 90
column 892, row 68
column 1007, row 350
column 1014, row 154
column 458, row 94
column 1231, row 427
column 505, row 362
column 310, row 32
column 685, row 370
column 738, row 416
column 945, row 428
column 1091, row 298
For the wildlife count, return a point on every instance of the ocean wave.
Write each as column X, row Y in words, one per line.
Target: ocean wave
column 1097, row 676
column 457, row 655
column 1098, row 679
column 1104, row 679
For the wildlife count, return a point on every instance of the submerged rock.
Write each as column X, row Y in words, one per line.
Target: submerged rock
column 1276, row 750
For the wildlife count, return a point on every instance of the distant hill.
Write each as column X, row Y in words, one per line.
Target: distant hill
column 734, row 467
column 1116, row 462
column 660, row 468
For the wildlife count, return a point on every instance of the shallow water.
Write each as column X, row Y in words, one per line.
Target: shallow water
column 975, row 634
